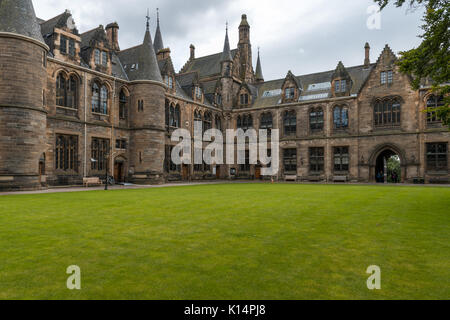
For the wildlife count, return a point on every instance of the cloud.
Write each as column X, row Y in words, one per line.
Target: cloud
column 326, row 31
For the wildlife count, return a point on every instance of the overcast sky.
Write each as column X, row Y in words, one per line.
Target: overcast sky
column 304, row 36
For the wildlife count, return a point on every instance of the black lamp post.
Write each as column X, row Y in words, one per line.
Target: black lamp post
column 106, row 169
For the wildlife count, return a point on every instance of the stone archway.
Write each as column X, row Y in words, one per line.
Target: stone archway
column 120, row 169
column 378, row 163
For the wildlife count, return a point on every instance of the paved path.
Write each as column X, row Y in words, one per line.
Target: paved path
column 180, row 184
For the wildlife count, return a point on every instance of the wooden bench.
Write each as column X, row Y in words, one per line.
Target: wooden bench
column 91, row 181
column 340, row 179
column 290, row 178
column 315, row 178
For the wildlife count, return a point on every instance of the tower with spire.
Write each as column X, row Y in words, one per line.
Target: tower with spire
column 22, row 88
column 245, row 49
column 147, row 115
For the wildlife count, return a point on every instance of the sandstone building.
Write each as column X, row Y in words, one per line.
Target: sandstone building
column 76, row 105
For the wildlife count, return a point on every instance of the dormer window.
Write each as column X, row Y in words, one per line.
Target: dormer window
column 104, row 58
column 169, row 81
column 72, row 47
column 289, row 93
column 63, row 45
column 198, row 92
column 218, row 99
column 97, row 56
column 340, row 86
column 244, row 99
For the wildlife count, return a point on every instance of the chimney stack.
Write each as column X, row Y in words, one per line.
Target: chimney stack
column 367, row 59
column 112, row 32
column 192, row 57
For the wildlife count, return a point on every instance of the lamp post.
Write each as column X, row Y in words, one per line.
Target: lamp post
column 106, row 168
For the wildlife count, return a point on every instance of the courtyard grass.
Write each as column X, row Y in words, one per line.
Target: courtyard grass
column 230, row 241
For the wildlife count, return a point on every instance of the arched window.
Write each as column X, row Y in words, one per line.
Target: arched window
column 123, row 101
column 316, row 119
column 340, row 117
column 290, row 123
column 244, row 99
column 172, row 116
column 95, row 98
column 61, row 90
column 104, row 100
column 197, row 117
column 218, row 123
column 245, row 122
column 434, row 102
column 66, row 91
column 266, row 122
column 207, row 121
column 387, row 112
column 99, row 99
column 177, row 116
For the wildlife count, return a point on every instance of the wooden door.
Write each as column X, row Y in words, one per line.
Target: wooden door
column 185, row 173
column 118, row 172
column 258, row 172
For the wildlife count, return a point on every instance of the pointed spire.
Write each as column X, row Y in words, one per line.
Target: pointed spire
column 17, row 16
column 259, row 75
column 148, row 19
column 226, row 54
column 147, row 68
column 158, row 44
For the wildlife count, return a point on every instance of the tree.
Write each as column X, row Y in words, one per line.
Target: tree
column 431, row 59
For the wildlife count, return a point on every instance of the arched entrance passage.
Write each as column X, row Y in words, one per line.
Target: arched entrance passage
column 119, row 169
column 388, row 164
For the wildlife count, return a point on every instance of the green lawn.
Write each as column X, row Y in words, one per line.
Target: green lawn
column 231, row 241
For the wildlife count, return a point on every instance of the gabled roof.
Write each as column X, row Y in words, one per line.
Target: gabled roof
column 88, row 36
column 59, row 21
column 340, row 72
column 290, row 76
column 17, row 16
column 206, row 66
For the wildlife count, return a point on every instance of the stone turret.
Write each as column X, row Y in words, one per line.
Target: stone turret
column 147, row 117
column 245, row 49
column 22, row 107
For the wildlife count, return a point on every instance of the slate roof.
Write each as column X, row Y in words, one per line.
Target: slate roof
column 158, row 44
column 117, row 68
column 259, row 73
column 144, row 59
column 87, row 37
column 48, row 26
column 359, row 75
column 17, row 16
column 206, row 66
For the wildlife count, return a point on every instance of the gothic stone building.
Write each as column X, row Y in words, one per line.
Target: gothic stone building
column 75, row 105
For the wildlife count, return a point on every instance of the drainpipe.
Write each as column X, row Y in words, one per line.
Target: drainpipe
column 113, row 118
column 85, row 125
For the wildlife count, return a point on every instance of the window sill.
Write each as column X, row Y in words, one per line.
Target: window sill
column 437, row 173
column 67, row 108
column 100, row 114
